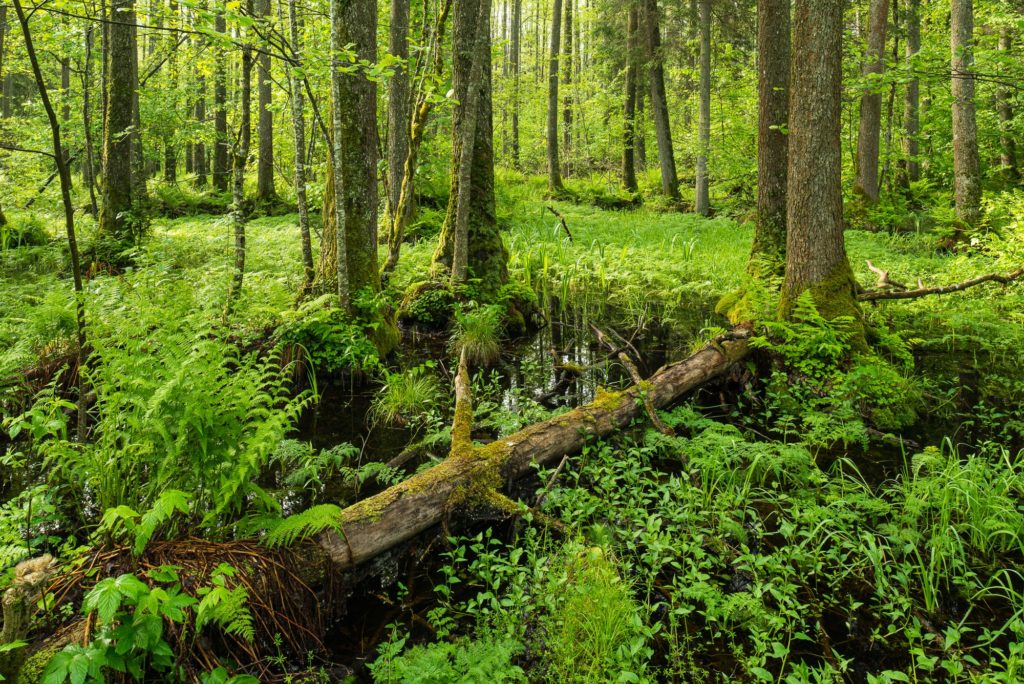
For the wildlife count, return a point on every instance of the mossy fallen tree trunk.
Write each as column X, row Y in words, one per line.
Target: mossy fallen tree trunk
column 472, row 473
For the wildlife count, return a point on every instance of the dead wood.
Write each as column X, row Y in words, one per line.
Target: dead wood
column 565, row 226
column 472, row 473
column 634, row 375
column 875, row 295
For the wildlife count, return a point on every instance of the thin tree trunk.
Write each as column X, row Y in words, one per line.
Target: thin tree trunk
column 220, row 111
column 554, row 167
column 1008, row 146
column 336, row 177
column 639, row 119
column 629, row 106
column 240, row 161
column 398, row 104
column 299, row 131
column 199, row 148
column 911, row 168
column 659, row 101
column 815, row 252
column 517, row 18
column 69, row 215
column 966, row 165
column 702, row 204
column 138, row 158
column 869, row 134
column 265, row 191
column 768, row 253
column 170, row 149
column 88, row 163
column 567, row 66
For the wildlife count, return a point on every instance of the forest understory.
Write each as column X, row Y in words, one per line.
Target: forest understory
column 511, row 341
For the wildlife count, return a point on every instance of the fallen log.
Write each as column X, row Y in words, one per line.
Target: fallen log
column 875, row 295
column 475, row 473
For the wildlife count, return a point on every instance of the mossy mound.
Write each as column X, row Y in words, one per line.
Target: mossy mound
column 428, row 305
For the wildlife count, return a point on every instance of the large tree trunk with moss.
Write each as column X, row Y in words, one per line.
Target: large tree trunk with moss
column 221, row 144
column 354, row 140
column 869, row 133
column 966, row 164
column 629, row 106
column 473, row 475
column 815, row 252
column 115, row 221
column 265, row 191
column 554, row 167
column 1007, row 144
column 659, row 100
column 768, row 253
column 910, row 167
column 486, row 256
column 702, row 203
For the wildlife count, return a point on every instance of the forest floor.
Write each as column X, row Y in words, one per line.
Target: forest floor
column 810, row 525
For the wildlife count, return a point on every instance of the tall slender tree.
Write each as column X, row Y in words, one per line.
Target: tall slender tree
column 815, row 252
column 221, row 144
column 659, row 100
column 869, row 135
column 702, row 204
column 629, row 105
column 398, row 104
column 1004, row 107
column 265, row 191
column 516, row 49
column 567, row 74
column 239, row 162
column 768, row 252
column 554, row 165
column 910, row 167
column 299, row 133
column 966, row 163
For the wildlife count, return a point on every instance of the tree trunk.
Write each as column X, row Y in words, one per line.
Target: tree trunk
column 265, row 166
column 139, row 174
column 170, row 148
column 815, row 252
column 966, row 171
column 639, row 120
column 629, row 106
column 115, row 220
column 398, row 105
column 659, row 101
column 517, row 20
column 240, row 159
column 220, row 111
column 299, row 131
column 567, row 65
column 199, row 148
column 910, row 166
column 702, row 203
column 380, row 522
column 486, row 255
column 869, row 134
column 1008, row 146
column 352, row 175
column 768, row 253
column 554, row 167
column 88, row 160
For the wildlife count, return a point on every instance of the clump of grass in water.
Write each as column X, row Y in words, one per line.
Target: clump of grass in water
column 406, row 396
column 478, row 333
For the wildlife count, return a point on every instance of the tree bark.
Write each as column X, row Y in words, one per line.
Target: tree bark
column 567, row 66
column 910, row 166
column 966, row 164
column 398, row 105
column 380, row 522
column 299, row 133
column 516, row 47
column 88, row 160
column 702, row 204
column 486, row 255
column 869, row 133
column 815, row 252
column 1007, row 144
column 139, row 173
column 265, row 191
column 352, row 175
column 198, row 156
column 240, row 159
column 170, row 146
column 115, row 215
column 768, row 253
column 220, row 111
column 554, row 167
column 629, row 106
column 659, row 101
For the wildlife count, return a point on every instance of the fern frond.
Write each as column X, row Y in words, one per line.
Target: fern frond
column 304, row 525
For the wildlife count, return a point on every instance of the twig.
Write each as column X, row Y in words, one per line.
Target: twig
column 565, row 226
column 884, row 283
column 942, row 289
column 634, row 374
column 551, row 481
